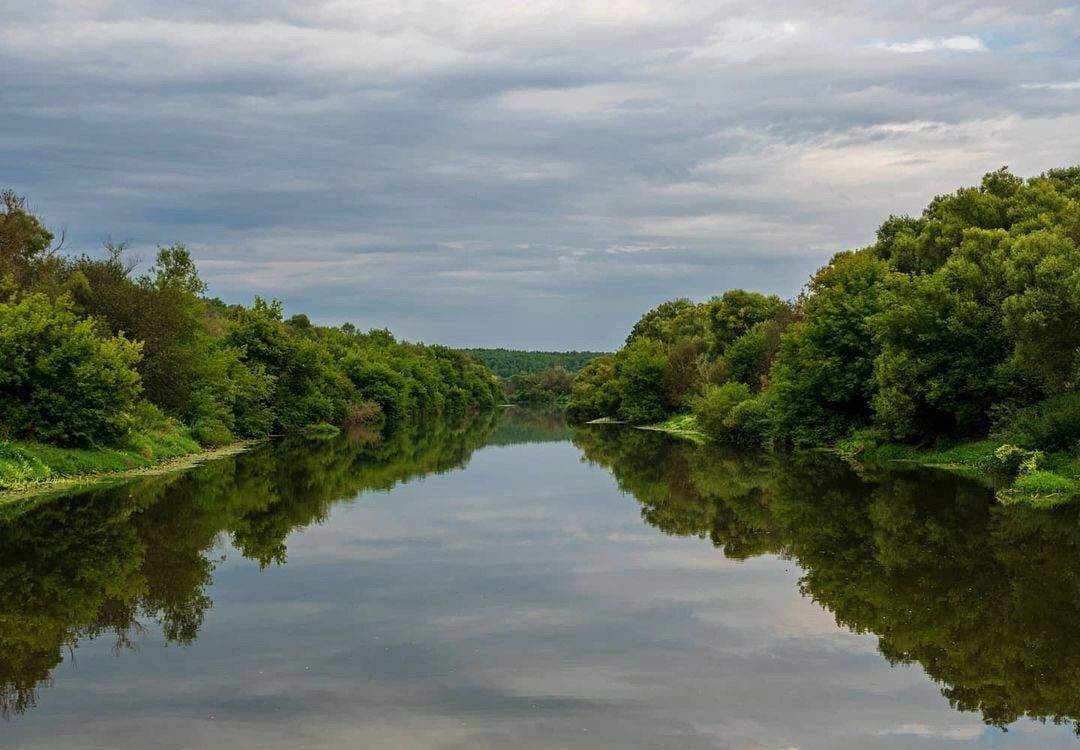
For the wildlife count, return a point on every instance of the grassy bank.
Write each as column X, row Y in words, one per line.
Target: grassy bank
column 25, row 466
column 681, row 425
column 1018, row 475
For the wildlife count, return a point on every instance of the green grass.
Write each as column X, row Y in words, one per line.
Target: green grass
column 323, row 431
column 868, row 445
column 1040, row 489
column 681, row 425
column 23, row 464
column 1055, row 481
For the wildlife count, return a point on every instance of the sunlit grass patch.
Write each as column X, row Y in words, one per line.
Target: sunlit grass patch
column 25, row 463
column 681, row 425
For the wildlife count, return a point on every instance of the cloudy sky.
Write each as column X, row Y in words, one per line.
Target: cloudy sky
column 528, row 174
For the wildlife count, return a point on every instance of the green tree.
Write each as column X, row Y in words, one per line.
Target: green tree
column 61, row 381
column 669, row 322
column 822, row 378
column 714, row 407
column 734, row 313
column 1042, row 310
column 942, row 344
column 594, row 392
column 24, row 240
column 639, row 370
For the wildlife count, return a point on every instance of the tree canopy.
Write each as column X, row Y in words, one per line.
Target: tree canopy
column 957, row 323
column 84, row 341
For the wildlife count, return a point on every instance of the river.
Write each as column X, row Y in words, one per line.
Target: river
column 508, row 582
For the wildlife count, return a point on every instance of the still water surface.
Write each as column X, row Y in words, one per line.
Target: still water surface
column 508, row 583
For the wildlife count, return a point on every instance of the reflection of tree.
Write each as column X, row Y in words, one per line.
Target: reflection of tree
column 92, row 564
column 521, row 424
column 689, row 491
column 985, row 598
column 61, row 577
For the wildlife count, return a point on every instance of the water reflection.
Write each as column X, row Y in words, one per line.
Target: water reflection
column 99, row 563
column 522, row 603
column 985, row 598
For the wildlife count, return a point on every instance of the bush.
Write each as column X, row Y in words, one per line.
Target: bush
column 1052, row 425
column 211, row 432
column 1016, row 460
column 715, row 406
column 61, row 381
column 594, row 392
column 367, row 412
column 749, row 424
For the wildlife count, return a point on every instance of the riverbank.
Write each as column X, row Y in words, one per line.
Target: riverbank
column 683, row 426
column 28, row 469
column 1017, row 475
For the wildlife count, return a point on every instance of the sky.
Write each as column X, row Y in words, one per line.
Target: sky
column 521, row 174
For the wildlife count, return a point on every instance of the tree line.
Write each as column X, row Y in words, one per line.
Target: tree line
column 509, row 362
column 92, row 352
column 961, row 322
column 532, row 378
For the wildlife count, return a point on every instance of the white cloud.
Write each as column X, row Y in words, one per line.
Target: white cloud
column 435, row 155
column 600, row 100
column 1058, row 86
column 930, row 44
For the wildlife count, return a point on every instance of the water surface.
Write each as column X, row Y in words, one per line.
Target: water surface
column 506, row 582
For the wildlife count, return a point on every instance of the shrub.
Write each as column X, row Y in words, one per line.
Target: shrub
column 1051, row 425
column 594, row 392
column 714, row 407
column 61, row 382
column 368, row 412
column 211, row 432
column 749, row 423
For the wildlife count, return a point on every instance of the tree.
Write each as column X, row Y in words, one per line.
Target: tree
column 1042, row 311
column 24, row 240
column 594, row 392
column 62, row 382
column 942, row 344
column 715, row 405
column 639, row 369
column 668, row 322
column 734, row 313
column 822, row 378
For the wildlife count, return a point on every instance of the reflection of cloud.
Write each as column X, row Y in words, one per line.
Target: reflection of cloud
column 969, row 732
column 519, row 602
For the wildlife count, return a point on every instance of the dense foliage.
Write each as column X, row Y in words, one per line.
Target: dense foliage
column 61, row 382
column 509, row 362
column 545, row 388
column 959, row 323
column 85, row 343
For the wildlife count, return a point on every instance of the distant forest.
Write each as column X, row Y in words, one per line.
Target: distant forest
column 509, row 362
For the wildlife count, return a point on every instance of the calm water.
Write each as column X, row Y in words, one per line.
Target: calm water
column 511, row 584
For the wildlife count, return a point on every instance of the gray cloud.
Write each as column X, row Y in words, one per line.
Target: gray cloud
column 532, row 174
